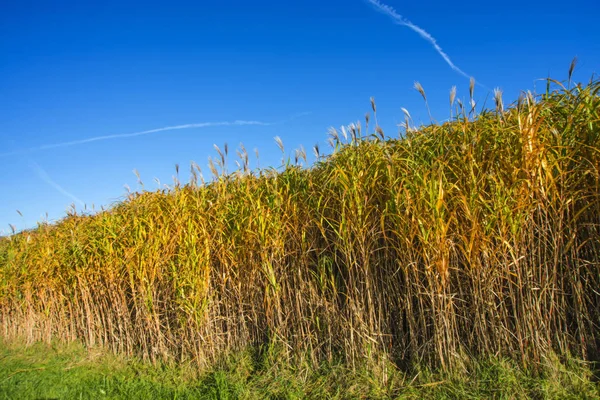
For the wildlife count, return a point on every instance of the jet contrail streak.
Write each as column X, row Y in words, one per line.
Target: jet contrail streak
column 400, row 20
column 128, row 135
column 43, row 175
column 167, row 128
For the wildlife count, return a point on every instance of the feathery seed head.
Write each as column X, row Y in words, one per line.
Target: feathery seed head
column 212, row 167
column 572, row 67
column 420, row 89
column 279, row 144
column 333, row 134
column 353, row 131
column 301, row 153
column 498, row 100
column 471, row 87
column 530, row 98
column 452, row 95
column 344, row 133
column 221, row 155
column 406, row 124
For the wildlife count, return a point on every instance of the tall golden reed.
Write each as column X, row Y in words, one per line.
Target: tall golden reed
column 475, row 237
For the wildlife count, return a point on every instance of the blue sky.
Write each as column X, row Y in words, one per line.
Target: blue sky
column 72, row 71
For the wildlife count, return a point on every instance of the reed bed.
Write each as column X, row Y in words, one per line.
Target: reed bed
column 473, row 238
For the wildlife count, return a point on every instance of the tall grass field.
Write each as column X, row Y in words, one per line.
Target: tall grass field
column 467, row 240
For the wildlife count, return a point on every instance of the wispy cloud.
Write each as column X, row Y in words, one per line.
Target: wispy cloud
column 43, row 175
column 128, row 135
column 400, row 20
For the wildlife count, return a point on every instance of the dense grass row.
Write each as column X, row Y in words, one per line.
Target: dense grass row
column 475, row 238
column 72, row 372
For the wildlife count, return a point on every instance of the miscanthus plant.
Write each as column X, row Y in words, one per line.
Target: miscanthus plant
column 472, row 238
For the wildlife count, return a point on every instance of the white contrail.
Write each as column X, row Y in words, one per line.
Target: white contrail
column 46, row 178
column 400, row 20
column 167, row 128
column 127, row 135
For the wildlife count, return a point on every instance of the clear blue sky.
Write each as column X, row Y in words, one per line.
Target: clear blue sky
column 74, row 70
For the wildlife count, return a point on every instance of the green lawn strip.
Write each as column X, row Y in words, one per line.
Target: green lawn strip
column 71, row 372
